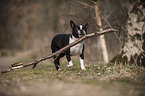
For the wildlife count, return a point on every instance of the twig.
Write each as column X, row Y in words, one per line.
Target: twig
column 86, row 4
column 34, row 63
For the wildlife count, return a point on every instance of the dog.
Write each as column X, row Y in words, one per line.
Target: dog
column 61, row 40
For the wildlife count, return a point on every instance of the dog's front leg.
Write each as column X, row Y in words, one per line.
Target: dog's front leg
column 82, row 61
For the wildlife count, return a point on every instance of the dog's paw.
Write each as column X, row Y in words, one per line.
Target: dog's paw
column 83, row 68
column 69, row 65
column 59, row 69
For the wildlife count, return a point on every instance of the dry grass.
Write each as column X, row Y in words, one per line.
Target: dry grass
column 100, row 79
column 127, row 79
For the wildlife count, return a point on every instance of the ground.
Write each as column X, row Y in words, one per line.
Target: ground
column 98, row 80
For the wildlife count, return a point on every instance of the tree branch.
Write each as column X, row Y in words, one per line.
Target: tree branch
column 34, row 63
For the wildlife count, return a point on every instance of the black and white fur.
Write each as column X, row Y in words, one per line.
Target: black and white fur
column 61, row 40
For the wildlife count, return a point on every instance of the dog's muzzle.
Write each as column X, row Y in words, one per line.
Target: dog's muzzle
column 81, row 33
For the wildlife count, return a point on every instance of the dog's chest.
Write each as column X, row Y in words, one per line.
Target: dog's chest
column 77, row 49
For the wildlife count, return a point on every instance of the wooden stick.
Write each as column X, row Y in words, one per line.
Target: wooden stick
column 34, row 63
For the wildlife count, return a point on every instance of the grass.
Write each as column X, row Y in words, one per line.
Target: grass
column 106, row 76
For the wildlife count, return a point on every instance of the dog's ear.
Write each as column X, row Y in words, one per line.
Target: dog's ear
column 72, row 24
column 86, row 25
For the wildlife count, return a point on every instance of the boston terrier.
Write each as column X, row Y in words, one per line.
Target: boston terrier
column 61, row 40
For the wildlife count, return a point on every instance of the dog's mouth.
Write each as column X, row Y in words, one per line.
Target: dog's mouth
column 81, row 35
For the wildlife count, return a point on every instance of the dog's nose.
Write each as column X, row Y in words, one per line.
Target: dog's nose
column 82, row 32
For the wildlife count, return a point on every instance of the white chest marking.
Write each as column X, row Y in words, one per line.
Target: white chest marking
column 77, row 49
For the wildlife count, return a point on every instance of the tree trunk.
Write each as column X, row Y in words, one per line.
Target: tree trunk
column 102, row 37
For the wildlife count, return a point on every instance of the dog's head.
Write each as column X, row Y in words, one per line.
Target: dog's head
column 78, row 30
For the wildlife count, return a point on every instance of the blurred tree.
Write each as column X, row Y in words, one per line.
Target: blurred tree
column 31, row 24
column 133, row 47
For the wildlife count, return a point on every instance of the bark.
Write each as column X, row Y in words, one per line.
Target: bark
column 34, row 63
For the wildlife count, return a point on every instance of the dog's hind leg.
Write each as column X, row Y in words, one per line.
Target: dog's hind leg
column 57, row 64
column 69, row 60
